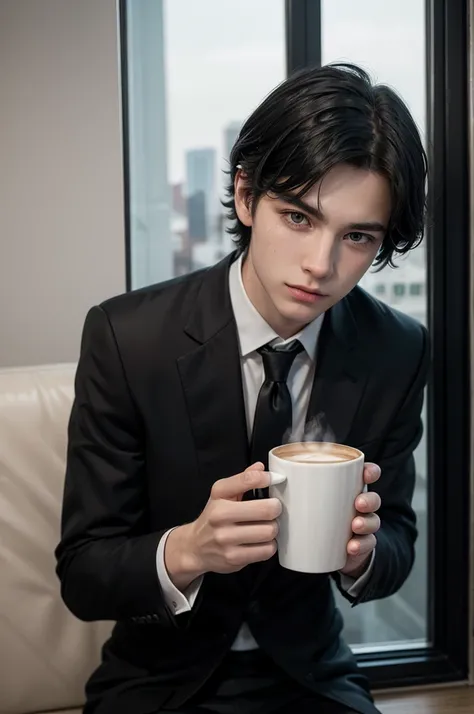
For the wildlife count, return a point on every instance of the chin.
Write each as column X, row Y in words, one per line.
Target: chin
column 299, row 315
column 305, row 310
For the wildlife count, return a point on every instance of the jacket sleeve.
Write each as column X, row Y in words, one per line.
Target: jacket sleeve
column 106, row 558
column 394, row 553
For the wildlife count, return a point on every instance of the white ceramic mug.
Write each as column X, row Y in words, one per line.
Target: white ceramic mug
column 317, row 484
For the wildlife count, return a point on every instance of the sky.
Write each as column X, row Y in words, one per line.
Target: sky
column 222, row 57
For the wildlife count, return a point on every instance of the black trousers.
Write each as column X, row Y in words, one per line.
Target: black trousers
column 250, row 683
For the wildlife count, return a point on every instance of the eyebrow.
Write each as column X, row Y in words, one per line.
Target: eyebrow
column 314, row 211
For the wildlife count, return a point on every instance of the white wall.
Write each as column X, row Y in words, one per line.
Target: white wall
column 61, row 192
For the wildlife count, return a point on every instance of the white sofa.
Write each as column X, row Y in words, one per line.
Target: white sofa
column 46, row 654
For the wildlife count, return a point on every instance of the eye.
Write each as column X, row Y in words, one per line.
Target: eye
column 360, row 238
column 296, row 219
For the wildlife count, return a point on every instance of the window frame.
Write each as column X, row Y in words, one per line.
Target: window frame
column 448, row 298
column 125, row 118
column 448, row 409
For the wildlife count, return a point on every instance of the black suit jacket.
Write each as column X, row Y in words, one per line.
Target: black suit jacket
column 158, row 417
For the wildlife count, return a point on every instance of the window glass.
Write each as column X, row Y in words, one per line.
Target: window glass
column 416, row 289
column 196, row 70
column 388, row 40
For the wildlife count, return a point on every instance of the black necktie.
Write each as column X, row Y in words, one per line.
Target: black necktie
column 273, row 413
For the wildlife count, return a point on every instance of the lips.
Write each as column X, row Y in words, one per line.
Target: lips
column 311, row 291
column 303, row 294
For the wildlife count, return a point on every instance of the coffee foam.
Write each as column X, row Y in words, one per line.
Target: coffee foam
column 315, row 458
column 316, row 452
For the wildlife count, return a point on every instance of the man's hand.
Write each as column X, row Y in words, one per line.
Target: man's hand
column 229, row 534
column 364, row 525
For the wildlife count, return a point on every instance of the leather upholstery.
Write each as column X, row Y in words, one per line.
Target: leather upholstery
column 46, row 654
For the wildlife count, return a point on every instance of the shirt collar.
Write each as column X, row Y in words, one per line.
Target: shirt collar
column 253, row 330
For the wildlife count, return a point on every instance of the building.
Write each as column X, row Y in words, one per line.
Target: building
column 403, row 287
column 231, row 132
column 182, row 249
column 201, row 194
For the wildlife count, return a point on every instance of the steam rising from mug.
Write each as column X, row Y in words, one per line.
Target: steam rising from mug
column 316, row 429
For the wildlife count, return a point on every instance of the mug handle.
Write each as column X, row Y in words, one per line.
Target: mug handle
column 276, row 478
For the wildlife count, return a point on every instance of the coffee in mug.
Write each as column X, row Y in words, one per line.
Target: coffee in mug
column 317, row 484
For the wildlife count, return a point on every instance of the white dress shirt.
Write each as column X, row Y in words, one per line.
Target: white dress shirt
column 253, row 333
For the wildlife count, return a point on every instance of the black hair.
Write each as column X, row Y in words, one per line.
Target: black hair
column 319, row 118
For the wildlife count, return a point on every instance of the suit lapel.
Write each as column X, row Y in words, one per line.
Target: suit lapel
column 212, row 380
column 340, row 376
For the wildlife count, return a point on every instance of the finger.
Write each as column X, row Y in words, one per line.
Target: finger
column 371, row 473
column 263, row 532
column 234, row 486
column 259, row 553
column 367, row 524
column 254, row 553
column 368, row 502
column 267, row 509
column 362, row 545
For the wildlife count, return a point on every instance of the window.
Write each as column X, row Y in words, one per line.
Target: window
column 189, row 91
column 370, row 34
column 416, row 289
column 187, row 88
column 399, row 289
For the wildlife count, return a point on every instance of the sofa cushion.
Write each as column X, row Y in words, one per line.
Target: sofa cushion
column 46, row 654
column 62, row 711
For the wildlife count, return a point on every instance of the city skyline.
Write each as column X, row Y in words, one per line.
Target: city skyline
column 211, row 76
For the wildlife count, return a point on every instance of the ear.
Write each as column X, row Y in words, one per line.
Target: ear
column 242, row 198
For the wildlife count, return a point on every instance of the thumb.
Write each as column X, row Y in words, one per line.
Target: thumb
column 234, row 487
column 257, row 466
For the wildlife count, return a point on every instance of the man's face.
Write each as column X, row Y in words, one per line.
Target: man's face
column 305, row 256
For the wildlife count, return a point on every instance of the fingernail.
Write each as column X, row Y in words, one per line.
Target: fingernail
column 363, row 502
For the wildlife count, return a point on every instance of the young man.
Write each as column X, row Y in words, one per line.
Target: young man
column 182, row 387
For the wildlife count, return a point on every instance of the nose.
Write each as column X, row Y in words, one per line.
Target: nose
column 320, row 259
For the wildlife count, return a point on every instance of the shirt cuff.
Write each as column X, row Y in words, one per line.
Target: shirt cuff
column 178, row 602
column 354, row 587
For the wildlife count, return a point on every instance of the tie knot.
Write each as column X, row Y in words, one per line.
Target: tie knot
column 277, row 361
